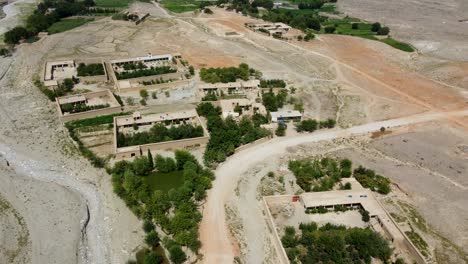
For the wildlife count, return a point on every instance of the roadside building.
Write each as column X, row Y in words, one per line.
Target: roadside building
column 285, row 116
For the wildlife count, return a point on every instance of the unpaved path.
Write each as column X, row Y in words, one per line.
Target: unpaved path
column 214, row 233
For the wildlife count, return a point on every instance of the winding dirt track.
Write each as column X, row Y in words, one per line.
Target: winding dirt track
column 214, row 233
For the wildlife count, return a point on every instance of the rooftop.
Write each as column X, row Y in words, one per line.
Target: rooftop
column 143, row 58
column 289, row 113
column 152, row 118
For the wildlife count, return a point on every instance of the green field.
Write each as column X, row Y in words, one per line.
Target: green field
column 165, row 181
column 329, row 8
column 398, row 45
column 180, row 6
column 67, row 24
column 113, row 3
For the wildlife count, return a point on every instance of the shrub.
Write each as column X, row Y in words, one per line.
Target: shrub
column 355, row 25
column 280, row 130
column 383, row 31
column 376, row 27
column 330, row 29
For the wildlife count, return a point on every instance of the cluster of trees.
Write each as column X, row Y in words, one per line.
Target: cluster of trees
column 175, row 211
column 210, row 97
column 141, row 72
column 101, row 10
column 319, row 174
column 156, row 81
column 310, row 125
column 42, row 18
column 228, row 74
column 267, row 4
column 77, row 108
column 273, row 83
column 369, row 179
column 226, row 134
column 295, row 19
column 273, row 101
column 159, row 133
column 92, row 69
column 334, row 244
column 377, row 28
column 311, row 4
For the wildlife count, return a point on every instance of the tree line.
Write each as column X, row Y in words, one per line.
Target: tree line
column 334, row 244
column 310, row 125
column 272, row 101
column 159, row 133
column 47, row 13
column 273, row 83
column 226, row 134
column 176, row 211
column 227, row 74
column 81, row 107
column 142, row 72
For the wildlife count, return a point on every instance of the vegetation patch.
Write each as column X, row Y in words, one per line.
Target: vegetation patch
column 226, row 134
column 67, row 24
column 159, row 133
column 113, row 3
column 227, row 74
column 319, row 175
column 334, row 244
column 142, row 72
column 181, row 6
column 369, row 179
column 176, row 211
column 92, row 69
column 398, row 44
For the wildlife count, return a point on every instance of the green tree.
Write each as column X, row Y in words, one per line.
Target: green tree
column 148, row 226
column 141, row 166
column 365, row 216
column 376, row 27
column 383, row 31
column 177, row 255
column 152, row 239
column 150, row 159
column 152, row 257
column 144, row 94
column 281, row 130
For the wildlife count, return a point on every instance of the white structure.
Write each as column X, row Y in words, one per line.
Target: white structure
column 286, row 116
column 149, row 59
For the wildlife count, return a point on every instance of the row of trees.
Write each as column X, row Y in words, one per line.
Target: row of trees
column 46, row 14
column 175, row 212
column 334, row 244
column 142, row 72
column 310, row 125
column 226, row 134
column 159, row 133
column 228, row 74
column 272, row 101
column 319, row 175
column 77, row 108
column 92, row 69
column 273, row 83
column 311, row 4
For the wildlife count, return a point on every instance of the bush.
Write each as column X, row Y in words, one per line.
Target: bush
column 280, row 130
column 330, row 29
column 307, row 125
column 148, row 226
column 376, row 27
column 383, row 31
column 365, row 216
column 355, row 26
column 152, row 239
column 177, row 256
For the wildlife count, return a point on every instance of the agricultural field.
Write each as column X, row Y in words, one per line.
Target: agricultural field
column 67, row 24
column 180, row 6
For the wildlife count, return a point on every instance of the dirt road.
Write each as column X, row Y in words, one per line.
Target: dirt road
column 214, row 233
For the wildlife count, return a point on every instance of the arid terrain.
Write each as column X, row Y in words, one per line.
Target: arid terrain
column 56, row 208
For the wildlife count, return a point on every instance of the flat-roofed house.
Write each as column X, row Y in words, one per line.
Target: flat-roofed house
column 289, row 115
